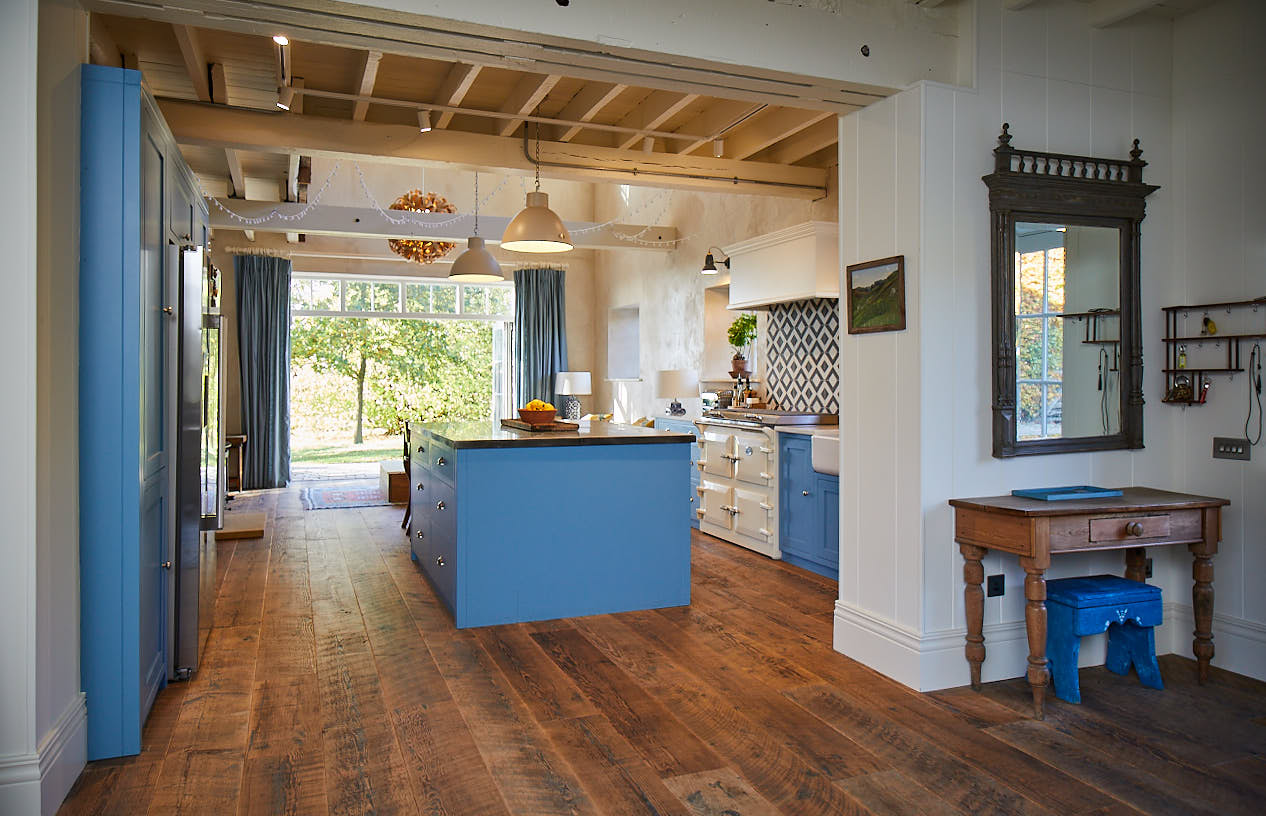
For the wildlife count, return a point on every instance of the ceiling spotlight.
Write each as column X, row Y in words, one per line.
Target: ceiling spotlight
column 281, row 39
column 648, row 144
column 718, row 148
column 285, row 97
column 710, row 264
column 424, row 121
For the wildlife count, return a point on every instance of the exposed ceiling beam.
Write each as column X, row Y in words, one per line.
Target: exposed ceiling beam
column 768, row 129
column 585, row 105
column 456, row 85
column 366, row 222
column 654, row 111
column 524, row 99
column 805, row 143
column 368, row 75
column 714, row 121
column 195, row 63
column 102, row 49
column 1104, row 13
column 236, row 177
column 296, row 106
column 276, row 133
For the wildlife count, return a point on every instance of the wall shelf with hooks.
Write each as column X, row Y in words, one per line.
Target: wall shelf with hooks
column 1189, row 384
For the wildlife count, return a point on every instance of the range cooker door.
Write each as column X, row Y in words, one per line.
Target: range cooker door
column 717, row 452
column 753, row 458
column 716, row 501
column 752, row 514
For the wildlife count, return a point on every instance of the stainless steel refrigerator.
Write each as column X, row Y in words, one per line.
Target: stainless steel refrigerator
column 200, row 480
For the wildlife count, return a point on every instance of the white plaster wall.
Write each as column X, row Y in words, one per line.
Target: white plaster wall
column 1219, row 247
column 668, row 288
column 1063, row 87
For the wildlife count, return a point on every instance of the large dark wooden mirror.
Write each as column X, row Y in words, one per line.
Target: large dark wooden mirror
column 1068, row 348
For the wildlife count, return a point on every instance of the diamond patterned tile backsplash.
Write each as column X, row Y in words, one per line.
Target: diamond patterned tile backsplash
column 802, row 356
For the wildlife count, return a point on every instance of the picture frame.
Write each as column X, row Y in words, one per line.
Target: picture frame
column 877, row 295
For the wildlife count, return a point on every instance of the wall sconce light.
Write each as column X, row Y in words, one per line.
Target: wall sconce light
column 710, row 264
column 424, row 121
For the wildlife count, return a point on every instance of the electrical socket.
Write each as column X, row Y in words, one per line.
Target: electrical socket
column 1230, row 447
column 1149, row 568
column 995, row 585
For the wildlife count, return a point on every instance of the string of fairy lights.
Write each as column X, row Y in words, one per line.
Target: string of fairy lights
column 402, row 217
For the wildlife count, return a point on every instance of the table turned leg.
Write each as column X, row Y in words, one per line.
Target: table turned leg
column 974, row 603
column 1202, row 605
column 1035, row 625
column 1136, row 564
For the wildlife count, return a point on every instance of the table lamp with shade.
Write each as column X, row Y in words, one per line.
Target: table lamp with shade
column 569, row 385
column 674, row 383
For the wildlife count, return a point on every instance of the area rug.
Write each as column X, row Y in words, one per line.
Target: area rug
column 332, row 497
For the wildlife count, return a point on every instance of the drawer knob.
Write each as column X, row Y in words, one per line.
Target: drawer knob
column 692, row 499
column 804, row 492
column 441, row 461
column 439, row 560
column 439, row 505
column 1134, row 528
column 421, row 486
column 420, row 535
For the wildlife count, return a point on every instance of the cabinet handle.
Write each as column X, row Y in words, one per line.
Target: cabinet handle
column 766, row 450
column 766, row 476
column 804, row 492
column 439, row 560
column 767, row 507
column 766, row 533
column 420, row 535
column 439, row 505
column 441, row 462
column 421, row 486
column 166, row 565
column 169, row 311
column 1134, row 528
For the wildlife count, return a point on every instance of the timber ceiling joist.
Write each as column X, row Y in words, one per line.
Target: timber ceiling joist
column 218, row 87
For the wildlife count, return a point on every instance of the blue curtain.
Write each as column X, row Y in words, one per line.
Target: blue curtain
column 540, row 333
column 263, row 342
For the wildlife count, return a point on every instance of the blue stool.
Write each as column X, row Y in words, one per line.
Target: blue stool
column 1128, row 610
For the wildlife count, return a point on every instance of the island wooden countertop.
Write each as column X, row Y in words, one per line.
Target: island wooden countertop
column 461, row 435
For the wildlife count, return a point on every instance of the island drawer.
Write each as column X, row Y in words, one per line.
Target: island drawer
column 442, row 459
column 440, row 562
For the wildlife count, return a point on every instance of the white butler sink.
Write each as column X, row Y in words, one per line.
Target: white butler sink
column 825, row 455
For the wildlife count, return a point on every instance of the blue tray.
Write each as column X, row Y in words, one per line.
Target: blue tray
column 1066, row 493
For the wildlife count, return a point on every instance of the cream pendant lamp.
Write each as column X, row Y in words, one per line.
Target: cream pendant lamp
column 476, row 264
column 537, row 228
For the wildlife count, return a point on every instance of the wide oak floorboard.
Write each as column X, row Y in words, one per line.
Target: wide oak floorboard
column 334, row 681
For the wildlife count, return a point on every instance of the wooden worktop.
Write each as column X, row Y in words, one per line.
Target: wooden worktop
column 1131, row 500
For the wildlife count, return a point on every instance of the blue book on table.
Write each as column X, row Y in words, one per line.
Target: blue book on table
column 1066, row 493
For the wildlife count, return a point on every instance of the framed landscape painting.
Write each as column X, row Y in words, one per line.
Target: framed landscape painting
column 877, row 295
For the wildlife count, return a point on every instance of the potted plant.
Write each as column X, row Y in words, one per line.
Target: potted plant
column 741, row 334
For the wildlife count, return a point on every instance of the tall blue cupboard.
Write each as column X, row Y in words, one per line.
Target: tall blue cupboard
column 137, row 202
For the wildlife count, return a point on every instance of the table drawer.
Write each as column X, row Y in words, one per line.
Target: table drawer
column 1089, row 532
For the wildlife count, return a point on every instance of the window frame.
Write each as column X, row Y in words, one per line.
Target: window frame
column 400, row 283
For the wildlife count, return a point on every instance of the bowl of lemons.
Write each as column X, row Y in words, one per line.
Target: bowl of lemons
column 537, row 412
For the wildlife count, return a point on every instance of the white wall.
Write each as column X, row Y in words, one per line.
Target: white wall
column 1219, row 247
column 1063, row 87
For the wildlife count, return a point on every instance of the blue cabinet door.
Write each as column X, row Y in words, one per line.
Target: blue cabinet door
column 829, row 494
column 678, row 425
column 797, row 500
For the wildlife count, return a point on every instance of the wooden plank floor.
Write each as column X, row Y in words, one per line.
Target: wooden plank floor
column 334, row 682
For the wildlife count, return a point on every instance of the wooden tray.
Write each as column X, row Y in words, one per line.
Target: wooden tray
column 555, row 425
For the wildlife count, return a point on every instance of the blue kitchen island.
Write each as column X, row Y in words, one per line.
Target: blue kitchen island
column 512, row 526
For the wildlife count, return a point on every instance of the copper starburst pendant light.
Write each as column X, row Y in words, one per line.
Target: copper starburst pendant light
column 421, row 251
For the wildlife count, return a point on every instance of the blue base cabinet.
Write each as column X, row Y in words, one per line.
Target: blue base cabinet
column 808, row 509
column 681, row 425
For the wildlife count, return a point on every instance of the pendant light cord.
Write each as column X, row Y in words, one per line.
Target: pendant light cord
column 476, row 202
column 538, row 157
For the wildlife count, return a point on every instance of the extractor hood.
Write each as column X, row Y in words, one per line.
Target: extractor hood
column 796, row 263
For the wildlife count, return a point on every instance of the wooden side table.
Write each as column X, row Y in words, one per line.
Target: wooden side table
column 1035, row 530
column 235, row 442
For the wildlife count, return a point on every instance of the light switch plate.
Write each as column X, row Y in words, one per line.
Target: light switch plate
column 1229, row 447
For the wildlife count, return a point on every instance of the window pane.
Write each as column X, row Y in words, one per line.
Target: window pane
column 1028, row 348
column 300, row 294
column 325, row 295
column 1055, row 279
column 1055, row 348
column 386, row 297
column 357, row 296
column 1054, row 410
column 501, row 301
column 1028, row 411
column 474, row 300
column 1028, row 288
column 417, row 298
column 444, row 298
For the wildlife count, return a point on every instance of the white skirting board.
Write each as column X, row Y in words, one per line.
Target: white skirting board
column 37, row 783
column 933, row 661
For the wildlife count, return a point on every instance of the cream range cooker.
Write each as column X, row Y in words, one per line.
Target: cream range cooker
column 738, row 485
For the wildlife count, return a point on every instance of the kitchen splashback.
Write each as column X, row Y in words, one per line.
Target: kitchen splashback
column 802, row 356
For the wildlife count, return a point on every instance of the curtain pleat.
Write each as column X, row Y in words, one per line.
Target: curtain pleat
column 540, row 332
column 263, row 341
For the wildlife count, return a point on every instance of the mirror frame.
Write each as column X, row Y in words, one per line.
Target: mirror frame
column 1030, row 185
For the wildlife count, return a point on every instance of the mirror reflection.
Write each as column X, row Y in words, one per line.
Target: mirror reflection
column 1067, row 315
